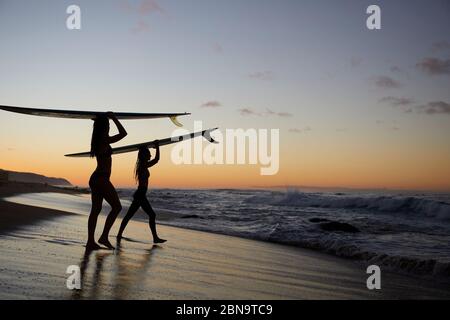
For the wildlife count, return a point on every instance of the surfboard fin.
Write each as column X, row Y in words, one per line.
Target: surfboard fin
column 207, row 136
column 175, row 121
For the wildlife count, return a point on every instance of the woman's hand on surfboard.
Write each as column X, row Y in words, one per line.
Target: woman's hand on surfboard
column 111, row 115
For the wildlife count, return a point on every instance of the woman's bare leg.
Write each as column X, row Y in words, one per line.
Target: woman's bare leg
column 111, row 196
column 135, row 205
column 97, row 201
column 151, row 220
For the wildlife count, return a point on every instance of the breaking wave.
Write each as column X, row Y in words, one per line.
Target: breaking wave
column 384, row 203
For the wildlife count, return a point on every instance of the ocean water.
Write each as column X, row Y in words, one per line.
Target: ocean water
column 406, row 232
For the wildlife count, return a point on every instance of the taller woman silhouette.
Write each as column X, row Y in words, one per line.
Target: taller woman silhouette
column 101, row 186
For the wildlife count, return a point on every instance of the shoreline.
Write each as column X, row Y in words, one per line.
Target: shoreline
column 15, row 215
column 34, row 214
column 194, row 264
column 191, row 265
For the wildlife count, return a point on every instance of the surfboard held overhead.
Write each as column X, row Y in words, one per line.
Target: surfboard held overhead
column 91, row 115
column 151, row 144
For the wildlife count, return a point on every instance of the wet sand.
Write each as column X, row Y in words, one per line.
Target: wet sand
column 15, row 215
column 191, row 265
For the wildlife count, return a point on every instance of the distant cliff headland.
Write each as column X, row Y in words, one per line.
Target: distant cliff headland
column 27, row 177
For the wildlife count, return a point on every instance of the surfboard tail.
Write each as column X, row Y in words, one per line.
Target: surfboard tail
column 78, row 155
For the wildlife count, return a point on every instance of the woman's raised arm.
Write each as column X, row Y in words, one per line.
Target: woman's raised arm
column 157, row 156
column 122, row 132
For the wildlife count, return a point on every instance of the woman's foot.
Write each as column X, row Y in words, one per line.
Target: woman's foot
column 159, row 240
column 91, row 246
column 106, row 243
column 118, row 240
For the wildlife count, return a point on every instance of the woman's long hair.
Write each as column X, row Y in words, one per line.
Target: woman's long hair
column 143, row 157
column 100, row 131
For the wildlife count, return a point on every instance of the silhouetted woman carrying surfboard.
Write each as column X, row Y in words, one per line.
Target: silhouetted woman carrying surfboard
column 101, row 186
column 142, row 174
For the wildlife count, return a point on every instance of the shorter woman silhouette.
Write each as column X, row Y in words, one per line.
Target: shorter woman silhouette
column 142, row 174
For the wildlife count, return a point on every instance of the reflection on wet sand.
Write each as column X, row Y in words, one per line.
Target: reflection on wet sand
column 121, row 273
column 130, row 275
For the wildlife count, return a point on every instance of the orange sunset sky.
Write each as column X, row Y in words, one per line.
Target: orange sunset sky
column 355, row 108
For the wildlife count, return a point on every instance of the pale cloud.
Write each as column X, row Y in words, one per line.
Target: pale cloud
column 140, row 27
column 355, row 62
column 248, row 112
column 147, row 7
column 386, row 82
column 141, row 10
column 262, row 75
column 396, row 69
column 143, row 7
column 279, row 114
column 440, row 46
column 217, row 47
column 268, row 112
column 300, row 130
column 434, row 66
column 211, row 104
column 389, row 126
column 396, row 102
column 435, row 107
